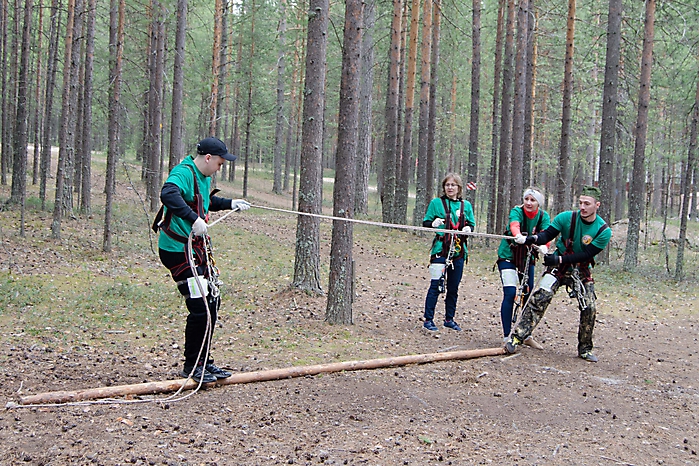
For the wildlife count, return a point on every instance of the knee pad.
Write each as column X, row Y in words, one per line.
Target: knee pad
column 436, row 271
column 547, row 282
column 509, row 278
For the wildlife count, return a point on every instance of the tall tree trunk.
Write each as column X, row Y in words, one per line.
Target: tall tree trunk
column 340, row 288
column 473, row 156
column 5, row 147
column 116, row 49
column 505, row 163
column 248, row 109
column 67, row 127
column 609, row 115
column 388, row 192
column 493, row 173
column 37, row 96
column 280, row 126
column 51, row 66
column 564, row 197
column 421, row 192
column 177, row 112
column 432, row 122
column 153, row 175
column 519, row 105
column 86, row 175
column 215, row 67
column 366, row 84
column 19, row 168
column 530, row 98
column 307, row 258
column 686, row 188
column 638, row 180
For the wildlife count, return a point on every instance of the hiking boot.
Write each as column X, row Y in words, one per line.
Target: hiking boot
column 199, row 374
column 216, row 371
column 452, row 325
column 531, row 342
column 511, row 344
column 588, row 356
column 429, row 325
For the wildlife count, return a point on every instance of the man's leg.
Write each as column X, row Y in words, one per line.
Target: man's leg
column 587, row 324
column 533, row 311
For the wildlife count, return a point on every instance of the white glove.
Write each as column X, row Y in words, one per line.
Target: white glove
column 543, row 249
column 437, row 222
column 199, row 227
column 466, row 229
column 520, row 238
column 240, row 204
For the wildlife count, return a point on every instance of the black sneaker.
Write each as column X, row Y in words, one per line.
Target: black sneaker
column 199, row 374
column 429, row 325
column 452, row 325
column 216, row 371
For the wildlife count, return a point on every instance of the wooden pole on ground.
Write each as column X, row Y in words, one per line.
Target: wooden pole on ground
column 166, row 386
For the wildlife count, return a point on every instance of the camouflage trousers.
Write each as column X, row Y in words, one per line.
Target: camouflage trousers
column 541, row 298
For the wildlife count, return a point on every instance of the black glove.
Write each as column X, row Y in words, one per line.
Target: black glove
column 551, row 260
column 531, row 239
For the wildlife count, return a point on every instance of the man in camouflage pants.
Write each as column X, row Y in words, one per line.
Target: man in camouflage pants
column 583, row 235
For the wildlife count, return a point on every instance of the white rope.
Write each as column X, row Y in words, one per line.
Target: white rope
column 368, row 222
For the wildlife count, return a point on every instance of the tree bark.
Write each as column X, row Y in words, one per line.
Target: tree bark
column 473, row 155
column 67, row 126
column 177, row 115
column 307, row 257
column 86, row 175
column 564, row 197
column 432, row 121
column 51, row 66
column 280, row 123
column 366, row 84
column 37, row 96
column 116, row 48
column 530, row 98
column 388, row 192
column 340, row 283
column 520, row 99
column 505, row 163
column 638, row 180
column 609, row 116
column 497, row 73
column 421, row 192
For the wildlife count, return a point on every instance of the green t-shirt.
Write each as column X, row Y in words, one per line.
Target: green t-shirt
column 526, row 226
column 181, row 176
column 584, row 234
column 436, row 210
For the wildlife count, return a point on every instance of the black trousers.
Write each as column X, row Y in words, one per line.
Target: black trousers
column 196, row 337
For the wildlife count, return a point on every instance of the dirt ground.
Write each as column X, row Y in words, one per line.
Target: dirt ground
column 639, row 405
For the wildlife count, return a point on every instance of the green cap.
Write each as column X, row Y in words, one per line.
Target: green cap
column 591, row 191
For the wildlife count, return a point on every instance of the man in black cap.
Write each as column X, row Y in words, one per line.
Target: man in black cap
column 187, row 202
column 583, row 235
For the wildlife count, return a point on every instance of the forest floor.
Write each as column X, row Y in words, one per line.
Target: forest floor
column 78, row 318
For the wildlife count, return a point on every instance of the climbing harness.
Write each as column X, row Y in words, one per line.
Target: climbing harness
column 577, row 289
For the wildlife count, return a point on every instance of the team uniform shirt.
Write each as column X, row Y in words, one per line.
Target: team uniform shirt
column 436, row 210
column 526, row 226
column 584, row 233
column 181, row 176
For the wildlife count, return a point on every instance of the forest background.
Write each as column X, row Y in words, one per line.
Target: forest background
column 391, row 94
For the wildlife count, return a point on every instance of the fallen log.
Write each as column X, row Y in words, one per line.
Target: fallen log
column 167, row 386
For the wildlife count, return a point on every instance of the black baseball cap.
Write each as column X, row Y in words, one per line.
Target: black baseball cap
column 214, row 146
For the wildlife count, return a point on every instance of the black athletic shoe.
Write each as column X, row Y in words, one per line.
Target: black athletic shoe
column 452, row 325
column 199, row 374
column 217, row 372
